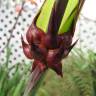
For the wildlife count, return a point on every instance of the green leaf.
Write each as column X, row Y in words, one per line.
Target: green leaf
column 68, row 24
column 19, row 88
column 68, row 17
column 43, row 19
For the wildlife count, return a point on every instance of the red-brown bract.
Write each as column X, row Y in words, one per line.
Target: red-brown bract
column 48, row 49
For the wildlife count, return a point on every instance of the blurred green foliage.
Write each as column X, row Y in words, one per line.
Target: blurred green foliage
column 79, row 78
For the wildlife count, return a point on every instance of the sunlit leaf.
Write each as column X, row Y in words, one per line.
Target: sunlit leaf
column 43, row 19
column 66, row 22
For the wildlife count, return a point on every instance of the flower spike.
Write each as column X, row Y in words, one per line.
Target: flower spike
column 49, row 49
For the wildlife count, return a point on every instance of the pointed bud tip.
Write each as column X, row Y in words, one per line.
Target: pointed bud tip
column 60, row 74
column 26, row 49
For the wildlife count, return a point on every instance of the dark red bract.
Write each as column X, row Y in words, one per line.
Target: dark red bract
column 42, row 50
column 48, row 49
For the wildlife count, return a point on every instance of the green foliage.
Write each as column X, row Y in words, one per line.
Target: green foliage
column 12, row 85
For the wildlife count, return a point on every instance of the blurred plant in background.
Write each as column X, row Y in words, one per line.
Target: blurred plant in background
column 79, row 78
column 17, row 4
